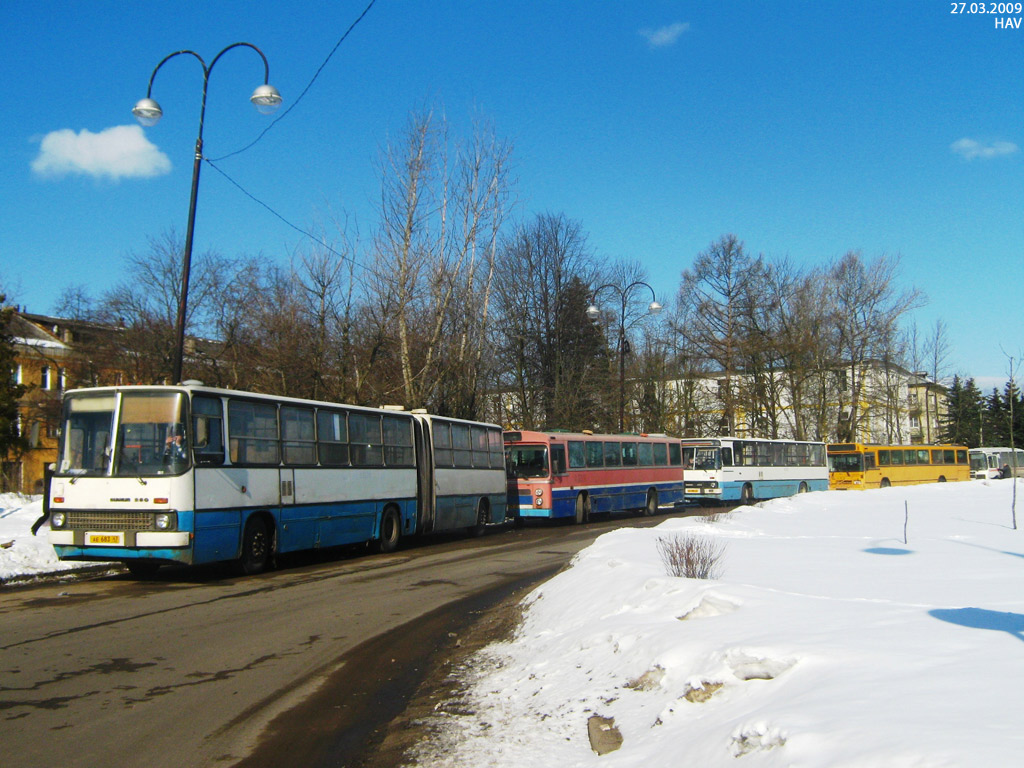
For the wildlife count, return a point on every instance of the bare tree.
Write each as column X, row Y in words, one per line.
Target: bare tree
column 549, row 366
column 720, row 293
column 145, row 306
column 434, row 257
column 866, row 309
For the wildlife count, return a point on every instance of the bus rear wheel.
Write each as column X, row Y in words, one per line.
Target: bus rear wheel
column 651, row 508
column 483, row 516
column 255, row 547
column 390, row 531
column 747, row 494
column 582, row 509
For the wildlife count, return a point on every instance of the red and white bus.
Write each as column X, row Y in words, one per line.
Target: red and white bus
column 572, row 475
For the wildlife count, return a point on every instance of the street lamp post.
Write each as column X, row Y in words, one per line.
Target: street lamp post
column 594, row 312
column 266, row 99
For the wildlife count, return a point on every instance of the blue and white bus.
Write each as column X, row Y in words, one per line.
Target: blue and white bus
column 148, row 475
column 745, row 469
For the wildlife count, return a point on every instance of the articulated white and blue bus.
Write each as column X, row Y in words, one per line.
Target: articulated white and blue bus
column 567, row 475
column 148, row 475
column 745, row 469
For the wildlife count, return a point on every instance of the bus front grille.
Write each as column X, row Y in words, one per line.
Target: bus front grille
column 96, row 520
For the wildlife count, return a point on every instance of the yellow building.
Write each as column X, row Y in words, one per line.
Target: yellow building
column 46, row 363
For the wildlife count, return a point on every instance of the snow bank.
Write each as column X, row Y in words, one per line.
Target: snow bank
column 827, row 641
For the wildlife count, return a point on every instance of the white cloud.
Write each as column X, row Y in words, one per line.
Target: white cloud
column 114, row 153
column 969, row 149
column 663, row 36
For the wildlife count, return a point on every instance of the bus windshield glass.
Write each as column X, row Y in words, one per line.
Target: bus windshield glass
column 150, row 440
column 846, row 462
column 701, row 458
column 528, row 461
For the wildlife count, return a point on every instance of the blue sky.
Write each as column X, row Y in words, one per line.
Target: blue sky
column 807, row 129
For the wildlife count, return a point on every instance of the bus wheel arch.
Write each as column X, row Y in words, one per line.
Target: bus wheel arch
column 942, row 479
column 803, row 488
column 885, row 483
column 582, row 508
column 258, row 542
column 390, row 530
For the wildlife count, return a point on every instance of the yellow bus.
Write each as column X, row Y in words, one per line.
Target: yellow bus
column 856, row 466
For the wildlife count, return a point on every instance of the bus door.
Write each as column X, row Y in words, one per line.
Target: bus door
column 425, row 491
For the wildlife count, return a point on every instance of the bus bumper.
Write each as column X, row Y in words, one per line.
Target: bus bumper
column 532, row 511
column 166, row 546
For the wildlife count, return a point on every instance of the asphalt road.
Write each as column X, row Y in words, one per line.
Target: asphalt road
column 304, row 665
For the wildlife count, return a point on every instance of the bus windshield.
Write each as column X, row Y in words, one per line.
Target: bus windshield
column 846, row 462
column 701, row 458
column 151, row 437
column 528, row 461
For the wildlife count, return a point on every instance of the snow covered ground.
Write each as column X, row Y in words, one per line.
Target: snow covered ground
column 825, row 640
column 23, row 555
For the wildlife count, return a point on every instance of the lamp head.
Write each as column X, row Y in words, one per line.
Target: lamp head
column 593, row 312
column 147, row 112
column 266, row 98
column 654, row 308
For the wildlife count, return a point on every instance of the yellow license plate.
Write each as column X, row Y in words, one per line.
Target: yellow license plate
column 693, row 490
column 106, row 539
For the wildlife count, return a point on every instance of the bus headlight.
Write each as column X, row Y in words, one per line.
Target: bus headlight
column 164, row 521
column 58, row 519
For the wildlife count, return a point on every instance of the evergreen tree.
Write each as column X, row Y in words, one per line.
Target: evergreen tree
column 963, row 422
column 996, row 419
column 1013, row 411
column 12, row 444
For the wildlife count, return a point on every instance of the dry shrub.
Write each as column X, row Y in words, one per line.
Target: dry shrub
column 690, row 556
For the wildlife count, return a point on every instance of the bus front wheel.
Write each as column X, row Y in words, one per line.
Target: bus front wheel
column 255, row 547
column 747, row 494
column 390, row 531
column 803, row 488
column 885, row 483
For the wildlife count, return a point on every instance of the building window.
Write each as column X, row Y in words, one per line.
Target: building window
column 44, row 377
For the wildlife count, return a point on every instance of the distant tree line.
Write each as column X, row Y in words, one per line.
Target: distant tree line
column 455, row 305
column 975, row 419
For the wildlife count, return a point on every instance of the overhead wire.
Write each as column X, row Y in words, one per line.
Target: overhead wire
column 212, row 162
column 305, row 90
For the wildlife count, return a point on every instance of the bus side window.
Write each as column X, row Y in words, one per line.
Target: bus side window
column 726, row 457
column 577, row 454
column 869, row 460
column 558, row 459
column 207, row 431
